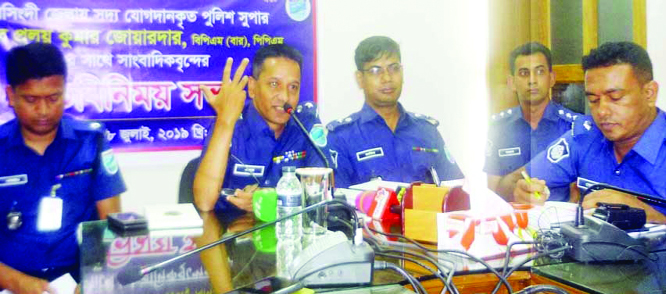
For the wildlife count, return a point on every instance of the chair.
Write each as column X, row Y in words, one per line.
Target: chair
column 185, row 194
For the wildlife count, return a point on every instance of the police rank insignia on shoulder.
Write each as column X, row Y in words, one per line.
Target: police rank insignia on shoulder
column 502, row 115
column 318, row 135
column 331, row 126
column 558, row 151
column 109, row 162
column 430, row 120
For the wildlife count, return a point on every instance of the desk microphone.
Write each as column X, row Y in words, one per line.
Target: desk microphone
column 595, row 239
column 133, row 272
column 290, row 110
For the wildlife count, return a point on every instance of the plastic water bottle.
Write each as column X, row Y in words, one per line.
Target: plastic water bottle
column 289, row 200
column 288, row 232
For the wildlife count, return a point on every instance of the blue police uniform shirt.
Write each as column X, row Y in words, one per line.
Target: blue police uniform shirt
column 256, row 157
column 584, row 155
column 364, row 147
column 81, row 153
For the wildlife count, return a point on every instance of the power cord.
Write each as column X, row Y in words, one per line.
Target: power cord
column 448, row 284
column 503, row 280
column 382, row 265
column 437, row 273
column 542, row 288
column 539, row 255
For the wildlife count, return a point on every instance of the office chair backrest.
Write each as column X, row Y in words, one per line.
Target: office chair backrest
column 185, row 194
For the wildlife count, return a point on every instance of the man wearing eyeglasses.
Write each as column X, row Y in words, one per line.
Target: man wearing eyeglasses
column 518, row 134
column 383, row 140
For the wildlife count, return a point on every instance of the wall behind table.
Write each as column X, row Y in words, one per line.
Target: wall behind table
column 656, row 40
column 444, row 46
column 444, row 51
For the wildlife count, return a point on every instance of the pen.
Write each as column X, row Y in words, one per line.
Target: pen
column 527, row 178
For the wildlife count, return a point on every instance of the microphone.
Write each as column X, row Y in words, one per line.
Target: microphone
column 290, row 109
column 133, row 272
column 598, row 240
column 651, row 200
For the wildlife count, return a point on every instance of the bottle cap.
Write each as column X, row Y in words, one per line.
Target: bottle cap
column 288, row 169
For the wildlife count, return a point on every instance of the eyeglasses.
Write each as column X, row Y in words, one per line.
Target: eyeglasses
column 377, row 71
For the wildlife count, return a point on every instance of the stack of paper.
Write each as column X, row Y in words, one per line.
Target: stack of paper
column 173, row 216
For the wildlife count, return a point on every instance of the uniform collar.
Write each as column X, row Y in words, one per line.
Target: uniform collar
column 551, row 111
column 258, row 124
column 13, row 132
column 66, row 130
column 651, row 141
column 367, row 113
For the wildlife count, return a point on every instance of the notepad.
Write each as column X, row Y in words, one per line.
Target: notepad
column 172, row 216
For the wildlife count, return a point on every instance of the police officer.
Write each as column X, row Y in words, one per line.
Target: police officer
column 383, row 139
column 55, row 172
column 518, row 134
column 623, row 144
column 251, row 142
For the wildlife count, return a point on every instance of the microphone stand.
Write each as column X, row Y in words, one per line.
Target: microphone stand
column 289, row 109
column 133, row 273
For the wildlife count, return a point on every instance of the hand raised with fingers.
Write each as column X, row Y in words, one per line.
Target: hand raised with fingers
column 228, row 103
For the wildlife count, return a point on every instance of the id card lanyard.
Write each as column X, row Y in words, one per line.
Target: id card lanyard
column 51, row 207
column 49, row 217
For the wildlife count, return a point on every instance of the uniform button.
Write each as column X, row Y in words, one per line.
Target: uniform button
column 617, row 172
column 267, row 182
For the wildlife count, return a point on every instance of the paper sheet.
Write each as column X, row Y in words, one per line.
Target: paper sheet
column 65, row 284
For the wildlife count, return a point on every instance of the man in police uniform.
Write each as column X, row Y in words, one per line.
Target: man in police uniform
column 518, row 134
column 623, row 144
column 383, row 140
column 55, row 172
column 250, row 143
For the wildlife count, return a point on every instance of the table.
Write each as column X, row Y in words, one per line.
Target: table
column 243, row 261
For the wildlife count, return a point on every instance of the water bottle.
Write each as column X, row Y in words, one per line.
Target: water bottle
column 289, row 200
column 289, row 231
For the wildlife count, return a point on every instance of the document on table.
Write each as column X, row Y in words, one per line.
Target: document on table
column 65, row 284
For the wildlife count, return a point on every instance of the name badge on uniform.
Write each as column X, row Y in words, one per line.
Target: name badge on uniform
column 584, row 183
column 369, row 153
column 246, row 170
column 14, row 180
column 50, row 212
column 515, row 151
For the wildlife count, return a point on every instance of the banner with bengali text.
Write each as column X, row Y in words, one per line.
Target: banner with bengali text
column 137, row 66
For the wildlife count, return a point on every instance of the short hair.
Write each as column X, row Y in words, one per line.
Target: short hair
column 34, row 61
column 527, row 49
column 374, row 48
column 274, row 51
column 615, row 53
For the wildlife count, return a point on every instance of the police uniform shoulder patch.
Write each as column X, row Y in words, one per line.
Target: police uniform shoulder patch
column 426, row 118
column 318, row 135
column 109, row 162
column 449, row 156
column 558, row 151
column 333, row 125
